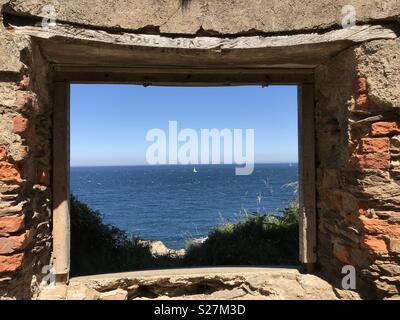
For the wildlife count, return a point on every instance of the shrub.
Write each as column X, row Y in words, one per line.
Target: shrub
column 99, row 248
column 260, row 239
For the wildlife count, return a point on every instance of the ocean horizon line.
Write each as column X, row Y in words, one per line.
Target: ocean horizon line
column 178, row 165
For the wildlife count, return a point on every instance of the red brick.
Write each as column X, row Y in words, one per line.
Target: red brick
column 3, row 153
column 374, row 244
column 363, row 210
column 372, row 161
column 353, row 217
column 20, row 124
column 9, row 172
column 362, row 101
column 16, row 243
column 11, row 224
column 375, row 145
column 342, row 253
column 385, row 128
column 379, row 227
column 11, row 263
column 362, row 86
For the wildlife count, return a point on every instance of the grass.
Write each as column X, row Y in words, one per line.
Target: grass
column 259, row 239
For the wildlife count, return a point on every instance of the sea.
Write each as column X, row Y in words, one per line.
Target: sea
column 175, row 204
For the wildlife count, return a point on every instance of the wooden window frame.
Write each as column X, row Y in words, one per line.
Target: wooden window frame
column 65, row 76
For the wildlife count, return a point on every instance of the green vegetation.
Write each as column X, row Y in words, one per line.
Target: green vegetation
column 259, row 239
column 97, row 248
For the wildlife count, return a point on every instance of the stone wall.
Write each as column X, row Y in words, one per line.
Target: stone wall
column 357, row 128
column 210, row 17
column 200, row 284
column 25, row 134
column 358, row 133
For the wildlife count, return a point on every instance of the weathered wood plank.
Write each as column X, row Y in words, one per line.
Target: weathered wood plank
column 181, row 77
column 185, row 70
column 354, row 34
column 71, row 45
column 307, row 187
column 61, row 214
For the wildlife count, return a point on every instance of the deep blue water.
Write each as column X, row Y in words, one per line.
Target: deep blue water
column 173, row 204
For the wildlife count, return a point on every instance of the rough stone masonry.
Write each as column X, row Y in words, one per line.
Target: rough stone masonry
column 357, row 121
column 358, row 155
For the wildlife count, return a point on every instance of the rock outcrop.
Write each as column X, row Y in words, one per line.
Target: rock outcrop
column 158, row 248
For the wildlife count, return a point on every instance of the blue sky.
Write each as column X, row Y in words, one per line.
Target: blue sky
column 109, row 123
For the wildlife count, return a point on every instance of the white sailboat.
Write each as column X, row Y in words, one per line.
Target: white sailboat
column 194, row 170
